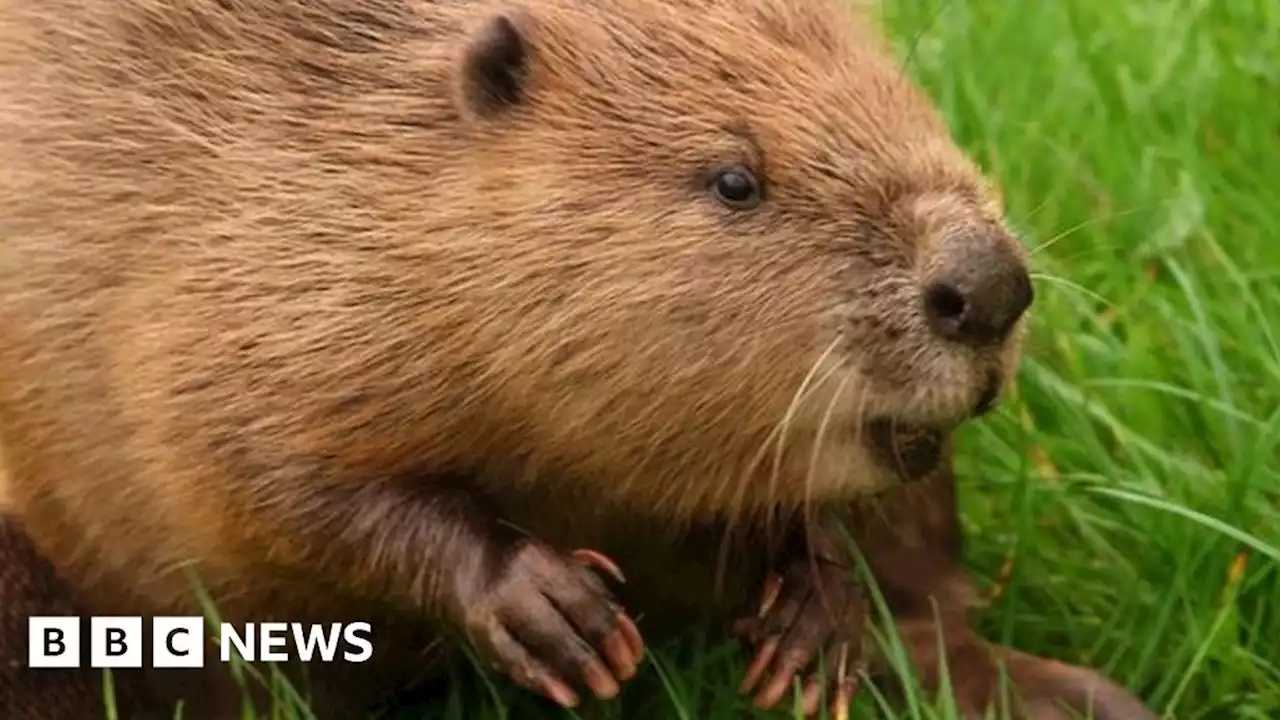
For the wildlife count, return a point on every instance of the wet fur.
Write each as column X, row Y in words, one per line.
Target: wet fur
column 276, row 282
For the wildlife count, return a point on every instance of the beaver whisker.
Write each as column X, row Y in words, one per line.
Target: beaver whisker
column 1082, row 225
column 860, row 413
column 784, row 423
column 817, row 448
column 747, row 477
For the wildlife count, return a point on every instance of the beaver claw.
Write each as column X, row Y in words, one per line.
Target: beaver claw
column 819, row 606
column 548, row 621
column 815, row 606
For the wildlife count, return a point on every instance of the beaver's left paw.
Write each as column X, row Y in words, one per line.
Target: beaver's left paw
column 814, row 606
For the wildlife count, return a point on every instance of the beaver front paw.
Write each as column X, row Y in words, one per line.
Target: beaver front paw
column 1037, row 688
column 814, row 606
column 548, row 621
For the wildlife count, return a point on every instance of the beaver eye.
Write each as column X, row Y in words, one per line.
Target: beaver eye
column 737, row 188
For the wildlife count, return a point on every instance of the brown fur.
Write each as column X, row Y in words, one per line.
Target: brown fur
column 29, row 583
column 290, row 296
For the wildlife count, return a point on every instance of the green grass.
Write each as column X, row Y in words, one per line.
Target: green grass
column 1134, row 480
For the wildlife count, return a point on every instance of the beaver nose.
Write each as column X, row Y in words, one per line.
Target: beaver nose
column 978, row 292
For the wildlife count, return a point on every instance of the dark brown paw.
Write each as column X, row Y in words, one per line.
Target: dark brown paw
column 550, row 624
column 1037, row 688
column 815, row 609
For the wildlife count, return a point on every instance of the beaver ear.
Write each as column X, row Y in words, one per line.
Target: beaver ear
column 494, row 62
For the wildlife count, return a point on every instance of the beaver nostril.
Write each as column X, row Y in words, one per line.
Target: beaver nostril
column 945, row 302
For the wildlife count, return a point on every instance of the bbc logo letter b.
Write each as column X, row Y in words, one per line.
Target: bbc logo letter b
column 53, row 642
column 115, row 642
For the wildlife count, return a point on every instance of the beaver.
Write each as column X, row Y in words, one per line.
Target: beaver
column 381, row 309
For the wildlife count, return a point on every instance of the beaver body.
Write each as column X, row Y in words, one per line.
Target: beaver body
column 377, row 309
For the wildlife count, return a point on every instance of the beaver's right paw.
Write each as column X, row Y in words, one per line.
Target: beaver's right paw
column 814, row 607
column 548, row 622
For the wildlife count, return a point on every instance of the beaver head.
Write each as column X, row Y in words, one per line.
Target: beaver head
column 737, row 231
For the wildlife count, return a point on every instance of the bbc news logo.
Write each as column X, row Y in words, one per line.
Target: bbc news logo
column 178, row 642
